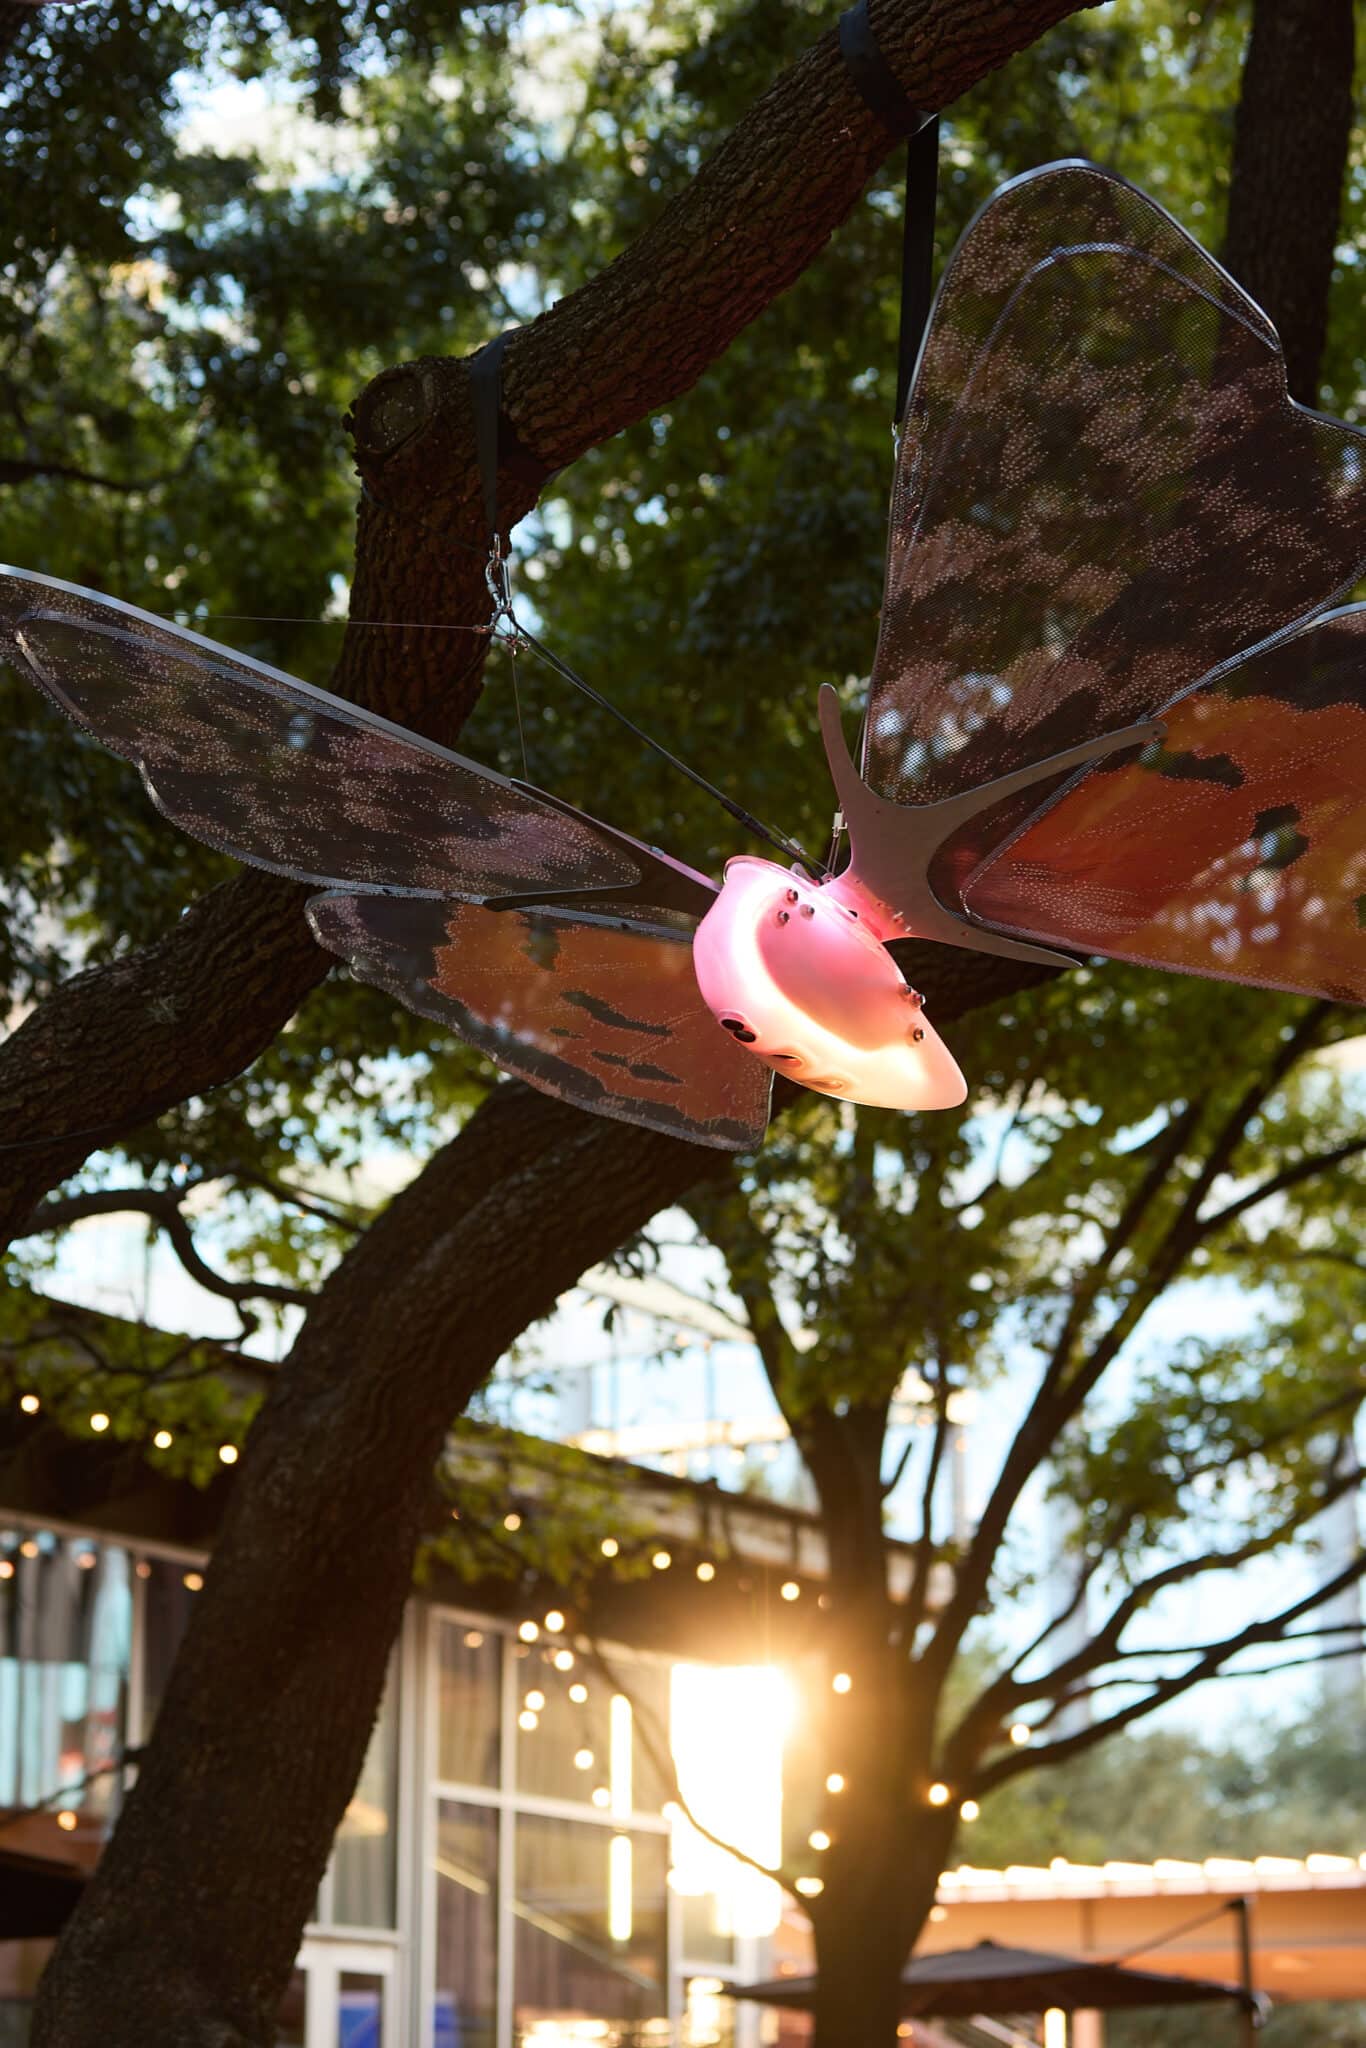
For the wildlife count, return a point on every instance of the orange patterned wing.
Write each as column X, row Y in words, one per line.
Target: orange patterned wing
column 1235, row 849
column 1103, row 490
column 601, row 1014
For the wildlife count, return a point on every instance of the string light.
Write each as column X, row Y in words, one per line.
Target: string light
column 6, row 1568
column 601, row 1796
column 85, row 1560
column 583, row 1759
column 790, row 1590
column 563, row 1660
column 143, row 1569
column 578, row 1693
column 28, row 1548
column 163, row 1439
column 1021, row 1734
column 554, row 1621
column 528, row 1631
column 609, row 1546
column 534, row 1701
column 818, row 1839
column 841, row 1682
column 193, row 1582
column 512, row 1521
column 661, row 1560
column 526, row 1719
column 810, row 1887
column 473, row 1639
column 938, row 1795
column 227, row 1454
column 706, row 1572
column 835, row 1782
column 99, row 1422
column 30, row 1403
column 969, row 1810
column 66, row 1819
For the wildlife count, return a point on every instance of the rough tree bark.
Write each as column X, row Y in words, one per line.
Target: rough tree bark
column 188, row 1931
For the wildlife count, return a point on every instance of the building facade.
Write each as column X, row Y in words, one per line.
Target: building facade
column 512, row 1871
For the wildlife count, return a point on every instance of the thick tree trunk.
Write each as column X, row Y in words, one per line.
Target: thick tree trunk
column 867, row 1919
column 1290, row 145
column 117, row 1045
column 888, row 1843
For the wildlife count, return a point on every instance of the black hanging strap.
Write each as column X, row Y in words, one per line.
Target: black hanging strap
column 917, row 253
column 881, row 89
column 497, row 442
column 874, row 77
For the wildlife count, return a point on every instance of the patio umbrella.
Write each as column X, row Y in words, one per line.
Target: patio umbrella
column 990, row 1978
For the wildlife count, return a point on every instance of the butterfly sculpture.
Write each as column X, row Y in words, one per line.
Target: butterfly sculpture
column 1103, row 717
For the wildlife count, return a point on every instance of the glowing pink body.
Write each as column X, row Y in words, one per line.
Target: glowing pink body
column 797, row 972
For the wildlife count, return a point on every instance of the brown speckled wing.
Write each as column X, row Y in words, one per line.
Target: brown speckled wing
column 1103, row 490
column 287, row 777
column 601, row 1014
column 1235, row 849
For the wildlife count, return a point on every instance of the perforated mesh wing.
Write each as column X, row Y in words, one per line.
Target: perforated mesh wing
column 1236, row 849
column 602, row 1016
column 1103, row 489
column 288, row 777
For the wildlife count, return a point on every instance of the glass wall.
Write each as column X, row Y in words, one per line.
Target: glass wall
column 66, row 1632
column 550, row 1849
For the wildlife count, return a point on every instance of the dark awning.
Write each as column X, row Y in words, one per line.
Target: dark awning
column 991, row 1979
column 37, row 1894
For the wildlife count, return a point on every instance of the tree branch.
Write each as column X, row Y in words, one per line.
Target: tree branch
column 59, row 1212
column 1215, row 1656
column 1057, row 1402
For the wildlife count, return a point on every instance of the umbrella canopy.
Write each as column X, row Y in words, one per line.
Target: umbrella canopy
column 990, row 1978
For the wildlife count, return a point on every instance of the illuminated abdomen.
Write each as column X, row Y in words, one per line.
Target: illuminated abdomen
column 796, row 971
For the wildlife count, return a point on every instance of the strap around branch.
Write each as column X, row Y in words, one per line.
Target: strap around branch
column 877, row 84
column 497, row 443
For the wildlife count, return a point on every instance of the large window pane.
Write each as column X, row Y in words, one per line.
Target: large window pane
column 466, row 1925
column 168, row 1594
column 590, row 1934
column 468, row 1708
column 360, row 2010
column 363, row 1863
column 65, row 1639
column 586, row 1736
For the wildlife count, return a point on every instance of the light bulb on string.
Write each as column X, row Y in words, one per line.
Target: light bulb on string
column 30, row 1403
